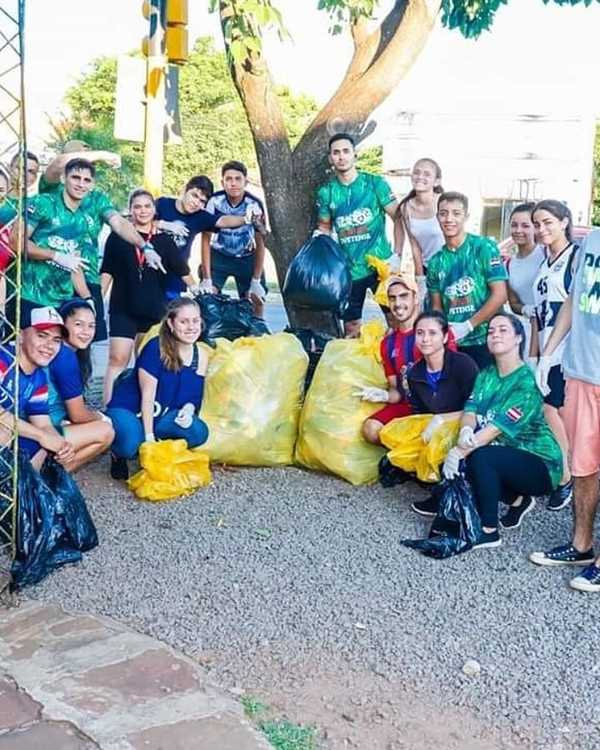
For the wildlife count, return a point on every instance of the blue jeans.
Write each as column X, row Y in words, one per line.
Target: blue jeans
column 129, row 431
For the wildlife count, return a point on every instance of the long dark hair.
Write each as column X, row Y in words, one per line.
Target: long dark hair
column 84, row 356
column 560, row 211
column 517, row 327
column 169, row 351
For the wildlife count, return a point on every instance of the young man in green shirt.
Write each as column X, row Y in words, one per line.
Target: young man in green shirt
column 355, row 204
column 466, row 279
column 62, row 248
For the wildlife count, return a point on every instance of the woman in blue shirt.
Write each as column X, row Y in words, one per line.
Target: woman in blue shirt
column 89, row 431
column 162, row 396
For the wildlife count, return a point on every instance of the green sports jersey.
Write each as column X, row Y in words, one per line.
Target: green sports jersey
column 357, row 213
column 48, row 187
column 8, row 211
column 57, row 227
column 514, row 405
column 462, row 276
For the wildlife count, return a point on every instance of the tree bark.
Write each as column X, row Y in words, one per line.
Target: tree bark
column 381, row 58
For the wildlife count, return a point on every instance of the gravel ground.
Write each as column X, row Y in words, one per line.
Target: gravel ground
column 287, row 583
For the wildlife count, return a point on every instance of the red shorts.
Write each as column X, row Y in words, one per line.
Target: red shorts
column 392, row 411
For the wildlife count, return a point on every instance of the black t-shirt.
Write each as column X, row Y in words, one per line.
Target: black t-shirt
column 453, row 388
column 138, row 290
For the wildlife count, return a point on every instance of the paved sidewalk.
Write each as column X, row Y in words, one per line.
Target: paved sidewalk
column 75, row 682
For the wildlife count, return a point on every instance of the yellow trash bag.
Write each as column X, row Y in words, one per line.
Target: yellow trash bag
column 252, row 400
column 410, row 453
column 383, row 274
column 330, row 437
column 169, row 469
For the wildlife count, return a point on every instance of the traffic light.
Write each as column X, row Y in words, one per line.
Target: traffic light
column 176, row 34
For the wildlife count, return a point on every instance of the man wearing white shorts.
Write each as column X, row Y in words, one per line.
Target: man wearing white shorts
column 580, row 314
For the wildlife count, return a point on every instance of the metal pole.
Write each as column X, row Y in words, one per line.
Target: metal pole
column 155, row 117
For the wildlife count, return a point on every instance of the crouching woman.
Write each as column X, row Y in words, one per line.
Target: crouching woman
column 511, row 454
column 161, row 397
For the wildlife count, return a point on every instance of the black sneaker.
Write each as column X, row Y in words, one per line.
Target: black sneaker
column 561, row 496
column 587, row 580
column 118, row 467
column 565, row 555
column 515, row 514
column 427, row 507
column 488, row 539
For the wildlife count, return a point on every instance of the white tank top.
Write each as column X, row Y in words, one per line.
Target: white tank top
column 428, row 234
column 522, row 273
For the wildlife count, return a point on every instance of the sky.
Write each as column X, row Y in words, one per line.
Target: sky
column 537, row 59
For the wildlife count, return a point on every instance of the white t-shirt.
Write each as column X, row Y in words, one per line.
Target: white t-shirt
column 522, row 273
column 428, row 234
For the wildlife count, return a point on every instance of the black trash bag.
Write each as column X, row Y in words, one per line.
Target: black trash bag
column 228, row 318
column 313, row 343
column 457, row 525
column 390, row 475
column 53, row 523
column 319, row 277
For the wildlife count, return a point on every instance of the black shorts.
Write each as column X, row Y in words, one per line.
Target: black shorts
column 556, row 383
column 242, row 270
column 101, row 332
column 125, row 327
column 358, row 292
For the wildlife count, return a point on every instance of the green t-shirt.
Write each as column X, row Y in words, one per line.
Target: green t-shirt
column 462, row 276
column 356, row 212
column 514, row 405
column 56, row 227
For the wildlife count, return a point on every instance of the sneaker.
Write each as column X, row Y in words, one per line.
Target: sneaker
column 587, row 580
column 488, row 539
column 565, row 555
column 427, row 507
column 561, row 496
column 118, row 468
column 515, row 514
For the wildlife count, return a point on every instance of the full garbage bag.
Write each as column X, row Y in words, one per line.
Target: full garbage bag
column 457, row 525
column 408, row 451
column 330, row 435
column 252, row 400
column 169, row 470
column 319, row 276
column 383, row 273
column 228, row 318
column 53, row 523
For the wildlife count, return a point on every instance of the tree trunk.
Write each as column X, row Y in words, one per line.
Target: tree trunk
column 290, row 179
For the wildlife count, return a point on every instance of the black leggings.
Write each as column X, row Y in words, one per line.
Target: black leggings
column 498, row 473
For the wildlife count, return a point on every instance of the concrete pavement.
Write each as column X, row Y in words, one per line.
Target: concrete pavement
column 76, row 682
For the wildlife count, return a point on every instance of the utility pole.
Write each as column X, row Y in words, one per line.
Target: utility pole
column 156, row 66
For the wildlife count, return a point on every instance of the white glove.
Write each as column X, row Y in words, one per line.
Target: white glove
column 451, row 464
column 178, row 228
column 542, row 372
column 375, row 395
column 152, row 258
column 433, row 425
column 466, row 437
column 422, row 285
column 460, row 330
column 194, row 289
column 205, row 286
column 185, row 416
column 257, row 290
column 528, row 311
column 317, row 233
column 395, row 263
column 90, row 301
column 69, row 262
column 149, row 437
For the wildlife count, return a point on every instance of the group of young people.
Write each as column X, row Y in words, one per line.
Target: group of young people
column 469, row 333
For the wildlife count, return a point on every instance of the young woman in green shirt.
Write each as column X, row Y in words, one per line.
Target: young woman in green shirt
column 511, row 454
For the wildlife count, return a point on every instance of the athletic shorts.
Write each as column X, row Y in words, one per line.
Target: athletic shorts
column 392, row 411
column 242, row 270
column 556, row 383
column 581, row 416
column 358, row 292
column 125, row 327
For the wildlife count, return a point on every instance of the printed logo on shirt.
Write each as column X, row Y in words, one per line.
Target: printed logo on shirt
column 355, row 219
column 461, row 288
column 589, row 300
column 514, row 414
column 39, row 395
column 495, row 261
